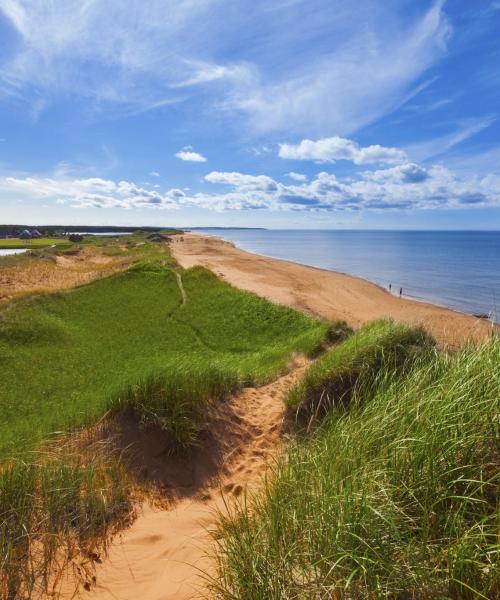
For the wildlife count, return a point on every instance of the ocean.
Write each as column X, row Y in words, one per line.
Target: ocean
column 457, row 269
column 9, row 252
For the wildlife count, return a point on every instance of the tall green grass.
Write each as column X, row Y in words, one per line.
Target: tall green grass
column 333, row 379
column 395, row 496
column 131, row 343
column 53, row 507
column 67, row 358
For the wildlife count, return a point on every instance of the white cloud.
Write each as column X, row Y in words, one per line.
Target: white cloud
column 242, row 181
column 337, row 148
column 314, row 71
column 88, row 193
column 407, row 173
column 408, row 186
column 154, row 174
column 437, row 146
column 297, row 176
column 189, row 156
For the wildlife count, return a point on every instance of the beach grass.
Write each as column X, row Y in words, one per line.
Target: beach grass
column 154, row 342
column 333, row 378
column 56, row 505
column 394, row 495
column 68, row 358
column 33, row 244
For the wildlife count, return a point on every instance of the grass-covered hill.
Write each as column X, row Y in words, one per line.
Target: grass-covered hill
column 68, row 358
column 154, row 341
column 388, row 490
column 392, row 494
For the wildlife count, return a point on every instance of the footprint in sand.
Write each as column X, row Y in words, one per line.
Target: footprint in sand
column 237, row 490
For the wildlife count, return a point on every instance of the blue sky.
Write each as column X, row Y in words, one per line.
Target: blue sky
column 274, row 113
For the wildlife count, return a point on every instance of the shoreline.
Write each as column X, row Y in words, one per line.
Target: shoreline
column 360, row 277
column 332, row 295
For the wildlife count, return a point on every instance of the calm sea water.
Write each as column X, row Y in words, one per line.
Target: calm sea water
column 9, row 252
column 458, row 269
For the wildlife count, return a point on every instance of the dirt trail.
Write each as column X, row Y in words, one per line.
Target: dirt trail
column 181, row 287
column 164, row 554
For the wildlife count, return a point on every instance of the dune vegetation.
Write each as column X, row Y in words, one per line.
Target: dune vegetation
column 389, row 489
column 70, row 357
column 153, row 341
column 35, row 243
column 393, row 495
column 333, row 379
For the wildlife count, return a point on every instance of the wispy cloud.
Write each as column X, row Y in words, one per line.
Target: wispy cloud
column 373, row 71
column 439, row 145
column 160, row 52
column 133, row 59
column 337, row 148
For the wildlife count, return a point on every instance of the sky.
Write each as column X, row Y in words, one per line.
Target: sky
column 251, row 113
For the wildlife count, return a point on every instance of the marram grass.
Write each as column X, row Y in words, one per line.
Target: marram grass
column 395, row 496
column 55, row 506
column 68, row 358
column 130, row 343
column 334, row 378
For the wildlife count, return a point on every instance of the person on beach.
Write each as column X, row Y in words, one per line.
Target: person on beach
column 390, row 287
column 400, row 292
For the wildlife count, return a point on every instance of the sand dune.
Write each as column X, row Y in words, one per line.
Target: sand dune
column 64, row 271
column 165, row 554
column 324, row 293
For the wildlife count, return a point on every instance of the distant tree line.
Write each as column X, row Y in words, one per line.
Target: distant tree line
column 57, row 230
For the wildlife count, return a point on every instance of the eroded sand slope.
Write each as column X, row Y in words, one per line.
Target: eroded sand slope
column 165, row 554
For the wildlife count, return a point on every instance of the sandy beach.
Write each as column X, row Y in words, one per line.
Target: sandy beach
column 327, row 294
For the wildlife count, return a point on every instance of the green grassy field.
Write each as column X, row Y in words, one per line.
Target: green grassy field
column 394, row 495
column 67, row 358
column 17, row 243
column 154, row 341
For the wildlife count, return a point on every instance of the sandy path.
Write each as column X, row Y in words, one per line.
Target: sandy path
column 324, row 293
column 163, row 555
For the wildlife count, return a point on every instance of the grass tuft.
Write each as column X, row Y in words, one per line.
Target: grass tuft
column 333, row 378
column 395, row 497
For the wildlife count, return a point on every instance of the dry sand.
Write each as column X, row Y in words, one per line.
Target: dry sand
column 323, row 293
column 164, row 555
